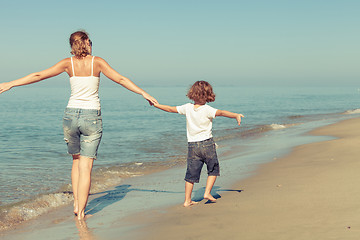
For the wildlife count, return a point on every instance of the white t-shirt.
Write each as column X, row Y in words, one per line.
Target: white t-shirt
column 198, row 121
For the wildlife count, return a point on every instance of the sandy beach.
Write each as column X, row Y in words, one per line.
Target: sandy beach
column 311, row 193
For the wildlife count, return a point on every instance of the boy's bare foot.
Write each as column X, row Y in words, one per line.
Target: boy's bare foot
column 209, row 197
column 188, row 204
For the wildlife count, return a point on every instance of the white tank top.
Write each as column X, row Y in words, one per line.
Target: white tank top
column 84, row 90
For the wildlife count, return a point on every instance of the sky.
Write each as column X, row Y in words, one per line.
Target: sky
column 168, row 43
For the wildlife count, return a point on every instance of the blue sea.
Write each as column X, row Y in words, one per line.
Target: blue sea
column 138, row 139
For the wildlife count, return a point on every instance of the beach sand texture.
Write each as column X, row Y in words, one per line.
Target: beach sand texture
column 312, row 193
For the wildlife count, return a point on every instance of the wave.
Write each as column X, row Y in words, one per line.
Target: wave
column 15, row 214
column 277, row 126
column 296, row 117
column 256, row 131
column 353, row 111
column 102, row 179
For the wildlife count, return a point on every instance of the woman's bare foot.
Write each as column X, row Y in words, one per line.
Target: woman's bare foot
column 188, row 204
column 81, row 215
column 209, row 197
column 76, row 210
column 85, row 217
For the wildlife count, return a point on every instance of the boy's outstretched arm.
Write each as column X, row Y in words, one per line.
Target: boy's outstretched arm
column 166, row 108
column 228, row 114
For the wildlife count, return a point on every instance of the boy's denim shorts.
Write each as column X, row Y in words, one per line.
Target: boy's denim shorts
column 82, row 131
column 198, row 154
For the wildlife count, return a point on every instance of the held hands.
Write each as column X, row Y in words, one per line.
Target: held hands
column 150, row 99
column 5, row 87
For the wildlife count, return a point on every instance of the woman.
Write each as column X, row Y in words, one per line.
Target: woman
column 82, row 120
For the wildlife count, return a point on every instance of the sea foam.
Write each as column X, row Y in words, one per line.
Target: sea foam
column 103, row 178
column 277, row 126
column 353, row 111
column 27, row 210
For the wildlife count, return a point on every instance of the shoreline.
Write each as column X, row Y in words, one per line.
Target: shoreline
column 310, row 193
column 140, row 205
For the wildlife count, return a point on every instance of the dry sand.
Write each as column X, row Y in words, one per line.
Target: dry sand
column 312, row 193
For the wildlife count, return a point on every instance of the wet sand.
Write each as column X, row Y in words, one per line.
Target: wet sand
column 311, row 193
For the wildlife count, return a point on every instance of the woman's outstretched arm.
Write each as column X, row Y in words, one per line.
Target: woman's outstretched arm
column 109, row 72
column 55, row 70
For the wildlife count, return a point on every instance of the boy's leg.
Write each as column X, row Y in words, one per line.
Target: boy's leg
column 194, row 166
column 209, row 185
column 213, row 168
column 188, row 190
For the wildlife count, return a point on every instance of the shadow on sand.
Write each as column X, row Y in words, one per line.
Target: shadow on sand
column 117, row 194
column 113, row 196
column 198, row 195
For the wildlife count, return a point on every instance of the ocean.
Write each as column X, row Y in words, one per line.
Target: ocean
column 139, row 139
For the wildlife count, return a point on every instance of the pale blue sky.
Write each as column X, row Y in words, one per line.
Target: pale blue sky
column 178, row 42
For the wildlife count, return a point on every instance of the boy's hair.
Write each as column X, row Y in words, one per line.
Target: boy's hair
column 201, row 92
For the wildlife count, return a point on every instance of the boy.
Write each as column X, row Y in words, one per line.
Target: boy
column 201, row 146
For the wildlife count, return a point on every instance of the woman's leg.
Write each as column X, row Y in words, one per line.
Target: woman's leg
column 75, row 181
column 85, row 167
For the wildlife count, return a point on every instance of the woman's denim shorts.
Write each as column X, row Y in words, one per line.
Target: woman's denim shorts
column 199, row 153
column 82, row 131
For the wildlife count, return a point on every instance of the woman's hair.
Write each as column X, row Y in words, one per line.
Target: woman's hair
column 79, row 43
column 201, row 92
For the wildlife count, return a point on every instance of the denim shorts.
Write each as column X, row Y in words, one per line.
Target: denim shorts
column 198, row 154
column 82, row 131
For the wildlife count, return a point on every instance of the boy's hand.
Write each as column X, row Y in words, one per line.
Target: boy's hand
column 238, row 118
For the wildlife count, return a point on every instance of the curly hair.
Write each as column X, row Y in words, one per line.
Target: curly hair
column 201, row 92
column 79, row 42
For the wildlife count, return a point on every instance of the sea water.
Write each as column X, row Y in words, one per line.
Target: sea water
column 138, row 138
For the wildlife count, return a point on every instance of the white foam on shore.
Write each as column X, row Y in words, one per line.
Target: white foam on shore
column 103, row 178
column 353, row 111
column 277, row 126
column 31, row 209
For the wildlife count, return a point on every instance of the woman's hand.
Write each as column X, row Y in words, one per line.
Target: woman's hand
column 149, row 98
column 5, row 87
